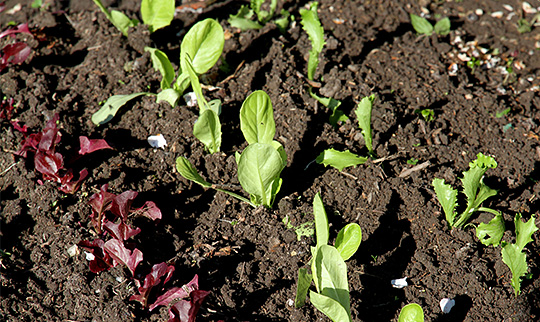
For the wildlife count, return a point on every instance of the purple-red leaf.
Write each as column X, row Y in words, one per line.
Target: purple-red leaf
column 16, row 126
column 154, row 278
column 14, row 54
column 121, row 254
column 91, row 145
column 186, row 311
column 121, row 204
column 120, row 231
column 150, row 210
column 176, row 293
column 50, row 136
column 69, row 186
column 6, row 108
column 48, row 163
column 100, row 202
column 22, row 28
column 102, row 261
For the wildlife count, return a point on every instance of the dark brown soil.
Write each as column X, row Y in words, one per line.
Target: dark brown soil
column 79, row 60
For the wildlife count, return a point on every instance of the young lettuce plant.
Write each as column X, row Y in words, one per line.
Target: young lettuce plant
column 242, row 19
column 199, row 51
column 328, row 268
column 474, row 189
column 424, row 27
column 261, row 163
column 411, row 313
column 312, row 25
column 344, row 159
column 155, row 13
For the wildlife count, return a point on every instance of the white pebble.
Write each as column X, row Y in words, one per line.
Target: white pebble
column 447, row 305
column 400, row 282
column 157, row 141
column 508, row 7
column 497, row 14
column 89, row 256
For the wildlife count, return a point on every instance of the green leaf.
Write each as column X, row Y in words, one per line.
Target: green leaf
column 188, row 171
column 195, row 85
column 348, row 240
column 321, row 221
column 169, row 95
column 339, row 159
column 111, row 107
column 182, row 83
column 257, row 118
column 161, row 63
column 516, row 260
column 492, row 232
column 208, row 130
column 203, row 43
column 283, row 21
column 483, row 161
column 262, row 15
column 329, row 307
column 157, row 13
column 312, row 26
column 242, row 19
column 524, row 231
column 411, row 313
column 421, row 25
column 117, row 18
column 442, row 27
column 447, row 196
column 363, row 114
column 302, row 287
column 330, row 275
column 259, row 166
column 333, row 105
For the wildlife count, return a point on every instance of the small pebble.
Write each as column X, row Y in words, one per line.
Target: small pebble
column 157, row 141
column 447, row 305
column 497, row 14
column 508, row 7
column 527, row 8
column 399, row 283
column 479, row 12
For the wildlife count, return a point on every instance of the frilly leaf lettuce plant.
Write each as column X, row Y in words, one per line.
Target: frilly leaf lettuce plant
column 474, row 189
column 312, row 25
column 243, row 18
column 344, row 159
column 328, row 268
column 261, row 163
column 200, row 50
column 155, row 13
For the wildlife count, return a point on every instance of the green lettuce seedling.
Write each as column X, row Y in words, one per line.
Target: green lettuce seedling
column 155, row 13
column 411, row 313
column 513, row 255
column 328, row 268
column 490, row 234
column 199, row 51
column 474, row 189
column 422, row 26
column 341, row 160
column 243, row 18
column 261, row 163
column 312, row 26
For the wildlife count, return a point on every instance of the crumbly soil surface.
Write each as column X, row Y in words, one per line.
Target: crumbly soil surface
column 247, row 257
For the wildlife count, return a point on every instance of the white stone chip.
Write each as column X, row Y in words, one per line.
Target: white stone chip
column 191, row 99
column 73, row 251
column 400, row 282
column 447, row 305
column 89, row 256
column 157, row 141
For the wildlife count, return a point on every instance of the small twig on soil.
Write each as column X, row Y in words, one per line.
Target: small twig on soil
column 9, row 168
column 228, row 78
column 408, row 172
column 309, row 81
column 349, row 175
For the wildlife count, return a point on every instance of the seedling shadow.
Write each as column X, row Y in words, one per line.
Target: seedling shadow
column 392, row 236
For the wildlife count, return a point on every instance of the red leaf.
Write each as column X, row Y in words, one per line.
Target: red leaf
column 29, row 144
column 121, row 204
column 50, row 135
column 120, row 231
column 185, row 311
column 150, row 210
column 100, row 202
column 176, row 293
column 121, row 254
column 91, row 145
column 48, row 164
column 102, row 261
column 152, row 279
column 17, row 127
column 22, row 28
column 69, row 186
column 6, row 109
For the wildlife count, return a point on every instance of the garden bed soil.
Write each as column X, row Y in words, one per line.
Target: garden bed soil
column 247, row 257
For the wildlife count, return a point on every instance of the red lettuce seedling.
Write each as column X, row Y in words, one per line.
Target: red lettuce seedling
column 100, row 202
column 161, row 273
column 51, row 163
column 100, row 260
column 187, row 310
column 15, row 53
column 6, row 108
column 116, row 249
column 176, row 293
column 120, row 231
